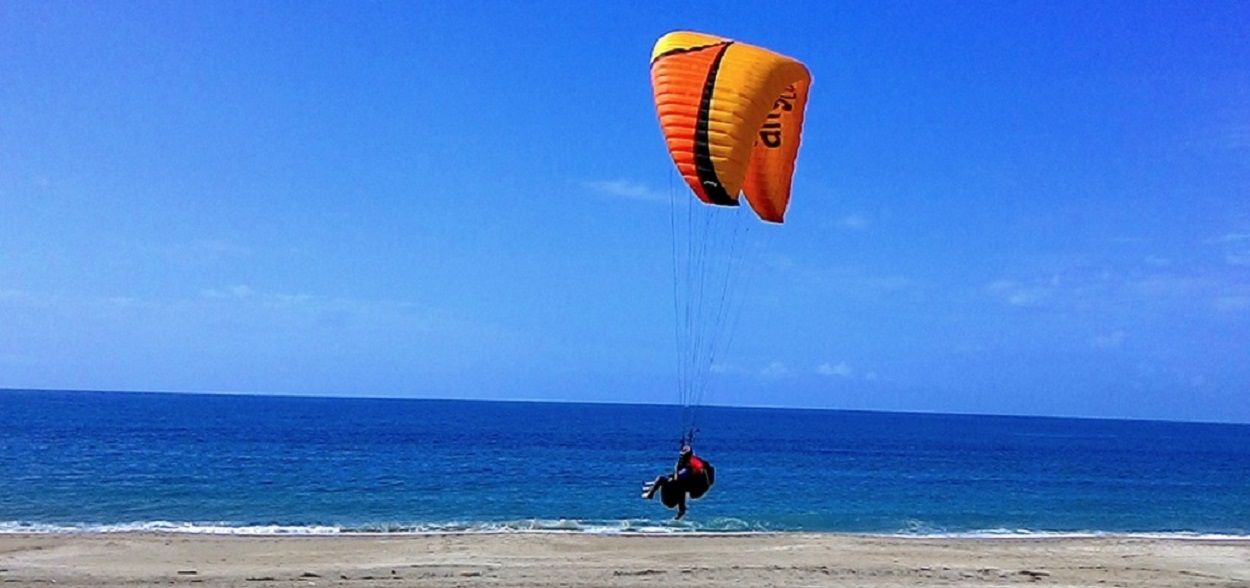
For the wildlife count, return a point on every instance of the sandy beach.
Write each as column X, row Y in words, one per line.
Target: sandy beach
column 581, row 560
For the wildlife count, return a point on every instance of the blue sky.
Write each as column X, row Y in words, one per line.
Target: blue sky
column 999, row 207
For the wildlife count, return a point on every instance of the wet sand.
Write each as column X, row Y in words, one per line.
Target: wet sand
column 146, row 559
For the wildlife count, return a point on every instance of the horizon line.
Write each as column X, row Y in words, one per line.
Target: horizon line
column 618, row 402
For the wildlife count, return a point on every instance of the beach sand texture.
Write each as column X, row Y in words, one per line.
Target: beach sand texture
column 145, row 559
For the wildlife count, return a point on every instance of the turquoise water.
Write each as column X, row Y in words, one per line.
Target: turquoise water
column 91, row 460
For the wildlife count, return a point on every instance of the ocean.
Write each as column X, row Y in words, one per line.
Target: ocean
column 101, row 461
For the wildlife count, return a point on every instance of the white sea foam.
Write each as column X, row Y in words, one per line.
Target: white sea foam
column 222, row 528
column 569, row 526
column 597, row 527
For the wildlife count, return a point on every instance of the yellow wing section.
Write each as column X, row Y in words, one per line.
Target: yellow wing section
column 731, row 114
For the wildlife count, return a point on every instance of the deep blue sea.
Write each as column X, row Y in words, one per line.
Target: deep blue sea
column 117, row 461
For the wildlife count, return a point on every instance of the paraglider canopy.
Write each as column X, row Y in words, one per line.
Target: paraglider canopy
column 731, row 114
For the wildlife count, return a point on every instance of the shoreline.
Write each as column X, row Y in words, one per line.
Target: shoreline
column 246, row 531
column 577, row 559
column 642, row 535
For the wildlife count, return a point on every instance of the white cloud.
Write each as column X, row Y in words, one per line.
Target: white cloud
column 775, row 369
column 626, row 189
column 1169, row 285
column 279, row 300
column 1231, row 238
column 202, row 251
column 1026, row 297
column 1237, row 136
column 291, row 298
column 1232, row 303
column 883, row 283
column 853, row 222
column 1236, row 247
column 1238, row 257
column 843, row 280
column 220, row 247
column 781, row 263
column 998, row 286
column 14, row 294
column 237, row 291
column 1083, row 290
column 839, row 370
column 1023, row 295
column 16, row 359
column 727, row 368
column 1110, row 340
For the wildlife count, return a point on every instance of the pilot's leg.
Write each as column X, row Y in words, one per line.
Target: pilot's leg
column 650, row 488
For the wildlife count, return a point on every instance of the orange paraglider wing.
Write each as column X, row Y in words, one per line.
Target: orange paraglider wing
column 731, row 114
